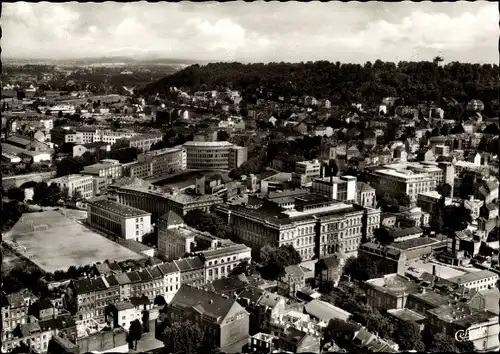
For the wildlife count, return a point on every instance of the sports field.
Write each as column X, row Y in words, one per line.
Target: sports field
column 55, row 242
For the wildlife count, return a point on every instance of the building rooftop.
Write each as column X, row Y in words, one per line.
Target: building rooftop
column 207, row 144
column 71, row 178
column 225, row 250
column 325, row 311
column 473, row 276
column 87, row 285
column 407, row 315
column 168, row 268
column 122, row 305
column 119, row 209
column 461, row 315
column 415, row 242
column 189, row 264
column 394, row 284
column 397, row 233
column 206, row 302
column 183, row 198
column 432, row 298
column 279, row 177
column 402, row 174
column 229, row 284
column 133, row 277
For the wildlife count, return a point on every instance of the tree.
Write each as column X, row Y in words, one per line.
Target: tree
column 403, row 200
column 383, row 236
column 120, row 144
column 209, row 222
column 275, row 260
column 456, row 218
column 491, row 129
column 331, row 169
column 11, row 212
column 183, row 337
column 68, row 166
column 388, row 204
column 15, row 193
column 135, row 332
column 45, row 195
column 361, row 268
column 408, row 336
column 60, row 114
column 223, row 135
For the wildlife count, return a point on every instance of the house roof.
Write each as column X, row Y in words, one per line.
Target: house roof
column 86, row 285
column 111, row 280
column 294, row 270
column 123, row 305
column 473, row 276
column 134, row 277
column 206, row 302
column 172, row 219
column 397, row 233
column 168, row 268
column 145, row 275
column 138, row 301
column 230, row 284
column 325, row 311
column 122, row 278
column 189, row 264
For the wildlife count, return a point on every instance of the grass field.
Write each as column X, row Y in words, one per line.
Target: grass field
column 55, row 242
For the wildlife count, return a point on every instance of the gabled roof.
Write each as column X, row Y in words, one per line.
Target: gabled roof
column 134, row 277
column 122, row 278
column 206, row 302
column 229, row 284
column 144, row 275
column 111, row 280
column 86, row 285
column 326, row 311
column 155, row 273
column 168, row 268
column 172, row 219
column 138, row 301
column 189, row 264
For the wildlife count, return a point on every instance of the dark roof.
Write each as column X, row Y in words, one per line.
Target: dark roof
column 96, row 144
column 253, row 294
column 138, row 301
column 86, row 285
column 111, row 280
column 134, row 277
column 168, row 268
column 155, row 273
column 230, row 284
column 396, row 233
column 189, row 264
column 120, row 209
column 338, row 325
column 416, row 242
column 145, row 276
column 331, row 261
column 45, row 304
column 206, row 302
column 172, row 219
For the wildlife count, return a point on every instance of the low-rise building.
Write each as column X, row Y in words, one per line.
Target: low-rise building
column 220, row 261
column 93, row 148
column 292, row 281
column 15, row 309
column 481, row 280
column 81, row 185
column 171, row 279
column 124, row 221
column 192, row 271
column 389, row 292
column 224, row 321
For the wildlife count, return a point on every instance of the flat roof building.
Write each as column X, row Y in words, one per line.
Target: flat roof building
column 124, row 221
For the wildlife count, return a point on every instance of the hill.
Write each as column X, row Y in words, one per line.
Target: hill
column 341, row 83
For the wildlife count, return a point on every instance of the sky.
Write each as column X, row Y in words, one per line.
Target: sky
column 353, row 31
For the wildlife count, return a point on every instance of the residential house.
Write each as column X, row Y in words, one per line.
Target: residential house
column 292, row 281
column 192, row 271
column 171, row 279
column 327, row 269
column 296, row 341
column 135, row 284
column 92, row 148
column 389, row 292
column 224, row 321
column 15, row 309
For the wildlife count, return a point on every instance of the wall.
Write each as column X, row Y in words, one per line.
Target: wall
column 18, row 181
column 102, row 341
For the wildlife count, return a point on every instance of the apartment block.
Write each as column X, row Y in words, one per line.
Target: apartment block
column 157, row 163
column 127, row 222
column 145, row 141
column 81, row 184
column 214, row 155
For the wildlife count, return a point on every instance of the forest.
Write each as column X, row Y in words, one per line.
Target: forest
column 343, row 83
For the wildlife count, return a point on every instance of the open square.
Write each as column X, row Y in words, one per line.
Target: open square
column 53, row 242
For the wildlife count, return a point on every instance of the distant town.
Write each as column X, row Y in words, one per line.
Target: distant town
column 230, row 208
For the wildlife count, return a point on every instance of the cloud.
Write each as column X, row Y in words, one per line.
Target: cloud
column 257, row 31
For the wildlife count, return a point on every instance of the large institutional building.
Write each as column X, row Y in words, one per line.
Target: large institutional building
column 157, row 163
column 76, row 184
column 109, row 216
column 317, row 226
column 142, row 195
column 219, row 155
